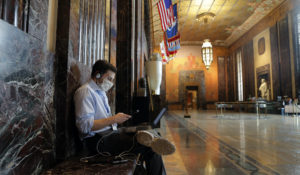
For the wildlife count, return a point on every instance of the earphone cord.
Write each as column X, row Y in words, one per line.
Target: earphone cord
column 122, row 155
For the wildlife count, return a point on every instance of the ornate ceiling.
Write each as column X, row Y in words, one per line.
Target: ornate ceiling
column 232, row 19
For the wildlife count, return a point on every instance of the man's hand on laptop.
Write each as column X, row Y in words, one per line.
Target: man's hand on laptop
column 121, row 117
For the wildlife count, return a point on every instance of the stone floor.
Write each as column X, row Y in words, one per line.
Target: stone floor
column 235, row 143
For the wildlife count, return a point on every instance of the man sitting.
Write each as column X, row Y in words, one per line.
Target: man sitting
column 98, row 127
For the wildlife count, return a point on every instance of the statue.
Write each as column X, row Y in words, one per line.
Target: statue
column 263, row 88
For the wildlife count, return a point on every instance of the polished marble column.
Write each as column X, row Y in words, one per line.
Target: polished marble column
column 125, row 59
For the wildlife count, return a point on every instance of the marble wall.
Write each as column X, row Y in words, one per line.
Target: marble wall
column 77, row 74
column 37, row 120
column 38, row 17
column 125, row 57
column 73, row 67
column 73, row 71
column 27, row 115
column 68, row 73
column 26, row 100
column 132, row 51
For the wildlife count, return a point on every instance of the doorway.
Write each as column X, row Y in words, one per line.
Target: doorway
column 192, row 97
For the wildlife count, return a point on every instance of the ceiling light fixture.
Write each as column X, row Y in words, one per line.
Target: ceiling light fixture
column 207, row 53
column 205, row 17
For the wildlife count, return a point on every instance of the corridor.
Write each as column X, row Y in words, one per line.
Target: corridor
column 236, row 143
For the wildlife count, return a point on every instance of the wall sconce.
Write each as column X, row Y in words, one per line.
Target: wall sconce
column 207, row 53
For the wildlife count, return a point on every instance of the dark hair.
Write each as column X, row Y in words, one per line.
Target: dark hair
column 102, row 66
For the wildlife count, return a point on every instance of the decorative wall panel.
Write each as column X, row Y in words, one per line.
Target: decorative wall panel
column 189, row 58
column 262, row 59
column 92, row 31
column 275, row 61
column 71, row 71
column 231, row 67
column 284, row 58
column 248, row 71
column 192, row 78
column 125, row 59
column 296, row 45
column 113, row 33
column 78, row 74
column 107, row 30
column 221, row 79
column 138, row 42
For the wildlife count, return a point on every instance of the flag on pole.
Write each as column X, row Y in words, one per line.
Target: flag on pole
column 172, row 45
column 166, row 56
column 163, row 53
column 165, row 10
column 169, row 52
column 173, row 30
column 172, row 35
column 169, row 24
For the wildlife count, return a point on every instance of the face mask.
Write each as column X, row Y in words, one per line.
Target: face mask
column 105, row 85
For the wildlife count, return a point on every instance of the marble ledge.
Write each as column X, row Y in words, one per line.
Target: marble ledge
column 74, row 166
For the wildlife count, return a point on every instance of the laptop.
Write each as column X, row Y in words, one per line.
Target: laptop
column 153, row 124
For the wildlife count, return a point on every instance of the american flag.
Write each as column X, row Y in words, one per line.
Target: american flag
column 165, row 10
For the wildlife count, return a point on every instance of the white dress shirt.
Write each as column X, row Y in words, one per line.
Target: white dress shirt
column 91, row 104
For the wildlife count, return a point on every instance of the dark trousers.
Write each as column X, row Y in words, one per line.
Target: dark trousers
column 116, row 142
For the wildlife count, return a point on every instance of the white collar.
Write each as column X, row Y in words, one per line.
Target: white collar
column 94, row 86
